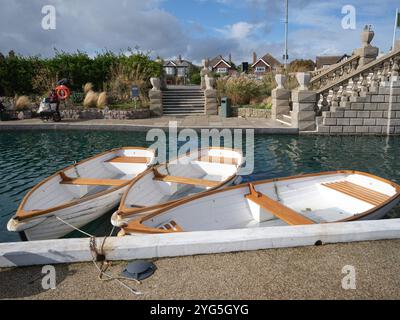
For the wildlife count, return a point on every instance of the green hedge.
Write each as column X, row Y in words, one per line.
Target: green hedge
column 36, row 75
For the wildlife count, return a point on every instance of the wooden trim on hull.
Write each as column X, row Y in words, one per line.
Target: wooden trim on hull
column 21, row 214
column 137, row 224
column 95, row 182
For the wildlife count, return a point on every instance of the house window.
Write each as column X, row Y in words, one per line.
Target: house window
column 182, row 72
column 222, row 70
column 260, row 69
column 170, row 71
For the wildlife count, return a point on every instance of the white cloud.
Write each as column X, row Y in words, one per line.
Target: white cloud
column 239, row 30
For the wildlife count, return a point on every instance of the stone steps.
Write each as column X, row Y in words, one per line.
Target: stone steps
column 183, row 101
column 285, row 119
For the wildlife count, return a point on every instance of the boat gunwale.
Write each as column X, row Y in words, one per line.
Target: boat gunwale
column 137, row 224
column 22, row 215
column 124, row 211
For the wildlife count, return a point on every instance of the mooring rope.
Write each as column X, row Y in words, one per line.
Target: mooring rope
column 73, row 227
column 104, row 263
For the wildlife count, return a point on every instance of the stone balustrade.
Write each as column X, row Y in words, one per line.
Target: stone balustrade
column 369, row 104
column 324, row 78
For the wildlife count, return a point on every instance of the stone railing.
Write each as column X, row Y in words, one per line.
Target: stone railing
column 364, row 79
column 361, row 57
column 323, row 77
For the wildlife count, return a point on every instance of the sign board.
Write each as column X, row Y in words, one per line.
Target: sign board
column 135, row 92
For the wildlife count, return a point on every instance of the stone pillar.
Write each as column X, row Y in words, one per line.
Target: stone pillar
column 203, row 73
column 210, row 95
column 280, row 98
column 155, row 95
column 367, row 52
column 304, row 104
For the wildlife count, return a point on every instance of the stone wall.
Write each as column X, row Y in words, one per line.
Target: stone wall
column 376, row 112
column 93, row 113
column 253, row 113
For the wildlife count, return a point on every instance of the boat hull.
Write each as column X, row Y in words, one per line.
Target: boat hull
column 49, row 227
column 79, row 194
column 328, row 197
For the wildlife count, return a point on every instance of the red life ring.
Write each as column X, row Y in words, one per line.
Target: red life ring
column 62, row 92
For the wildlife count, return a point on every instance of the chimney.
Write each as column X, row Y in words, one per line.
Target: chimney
column 180, row 58
column 254, row 57
column 230, row 59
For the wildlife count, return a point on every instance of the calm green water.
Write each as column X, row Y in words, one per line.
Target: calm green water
column 28, row 157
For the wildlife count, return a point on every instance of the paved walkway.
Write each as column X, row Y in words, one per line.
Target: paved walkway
column 291, row 273
column 195, row 122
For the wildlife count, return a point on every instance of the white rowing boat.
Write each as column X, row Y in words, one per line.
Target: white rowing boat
column 306, row 199
column 78, row 194
column 202, row 170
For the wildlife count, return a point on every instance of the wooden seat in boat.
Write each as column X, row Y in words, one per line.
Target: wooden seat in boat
column 172, row 225
column 183, row 180
column 91, row 181
column 356, row 191
column 216, row 159
column 276, row 208
column 129, row 160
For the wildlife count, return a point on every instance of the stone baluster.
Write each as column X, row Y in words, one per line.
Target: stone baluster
column 395, row 70
column 364, row 85
column 354, row 65
column 349, row 86
column 335, row 99
column 344, row 98
column 320, row 100
column 385, row 72
column 355, row 88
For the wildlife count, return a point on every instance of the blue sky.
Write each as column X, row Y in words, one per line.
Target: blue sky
column 195, row 29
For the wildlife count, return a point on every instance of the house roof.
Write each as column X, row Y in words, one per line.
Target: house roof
column 321, row 61
column 268, row 60
column 177, row 63
column 214, row 62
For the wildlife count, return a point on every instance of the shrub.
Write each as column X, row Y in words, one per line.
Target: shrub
column 195, row 78
column 22, row 103
column 43, row 81
column 269, row 84
column 91, row 99
column 242, row 89
column 135, row 69
column 87, row 87
column 77, row 97
column 102, row 100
